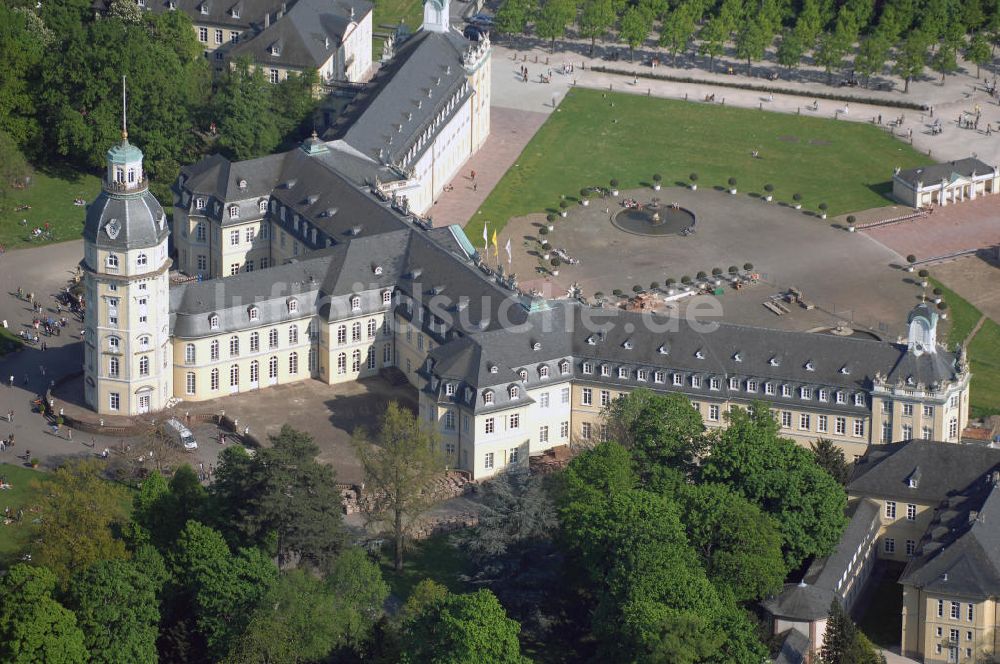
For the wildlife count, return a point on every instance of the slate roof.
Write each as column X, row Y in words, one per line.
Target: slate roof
column 395, row 108
column 960, row 554
column 217, row 12
column 139, row 215
column 307, row 35
column 943, row 469
column 935, row 173
column 810, row 599
column 794, row 648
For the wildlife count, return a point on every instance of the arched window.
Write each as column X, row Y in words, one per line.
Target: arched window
column 342, row 363
column 112, row 261
column 293, row 363
column 234, row 346
column 214, row 349
column 488, row 397
column 189, row 383
column 189, row 355
column 113, row 344
column 272, row 367
column 144, row 365
column 254, row 342
column 356, row 360
column 356, row 331
column 387, row 354
column 272, row 339
column 141, row 260
column 214, row 376
column 564, row 367
column 131, row 175
column 113, row 367
column 342, row 334
column 254, row 313
column 515, row 391
column 293, row 334
column 386, row 297
column 372, row 328
column 213, row 321
column 145, row 341
column 254, row 371
column 262, row 206
column 355, row 303
column 234, row 375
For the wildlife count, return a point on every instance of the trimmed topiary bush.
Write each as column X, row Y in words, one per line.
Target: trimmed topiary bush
column 733, row 269
column 748, row 266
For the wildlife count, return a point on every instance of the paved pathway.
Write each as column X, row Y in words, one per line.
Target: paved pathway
column 959, row 227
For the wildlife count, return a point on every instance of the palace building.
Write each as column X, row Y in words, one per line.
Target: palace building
column 317, row 264
column 944, row 184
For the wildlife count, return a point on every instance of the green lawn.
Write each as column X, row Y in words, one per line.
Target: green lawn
column 962, row 316
column 847, row 165
column 23, row 495
column 9, row 342
column 390, row 12
column 434, row 558
column 51, row 200
column 984, row 351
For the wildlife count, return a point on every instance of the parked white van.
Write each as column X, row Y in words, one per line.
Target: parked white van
column 183, row 434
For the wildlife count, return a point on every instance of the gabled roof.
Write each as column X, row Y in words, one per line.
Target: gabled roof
column 405, row 96
column 307, row 36
column 943, row 469
column 961, row 556
column 950, row 170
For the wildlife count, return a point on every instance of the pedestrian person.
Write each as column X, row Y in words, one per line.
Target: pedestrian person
column 10, row 416
column 10, row 381
column 69, row 433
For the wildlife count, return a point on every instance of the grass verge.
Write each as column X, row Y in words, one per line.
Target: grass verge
column 434, row 558
column 595, row 136
column 50, row 198
column 22, row 495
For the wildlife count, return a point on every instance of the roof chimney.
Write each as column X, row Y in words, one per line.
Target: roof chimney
column 267, row 20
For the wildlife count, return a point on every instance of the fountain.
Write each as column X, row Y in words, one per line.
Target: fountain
column 654, row 219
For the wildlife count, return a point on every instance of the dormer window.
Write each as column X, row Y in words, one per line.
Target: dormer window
column 775, row 361
column 699, row 354
column 588, row 368
column 199, row 204
column 235, row 12
column 262, row 206
column 386, row 297
column 859, row 399
column 911, row 381
column 605, row 370
column 293, row 306
column 846, row 370
column 663, row 350
column 488, row 397
column 810, row 366
column 234, row 212
column 592, row 340
column 377, row 270
column 522, row 374
column 242, row 185
column 213, row 322
column 543, row 372
column 254, row 313
column 449, row 389
column 494, row 369
column 564, row 367
column 737, row 357
column 355, row 303
column 805, row 393
column 627, row 345
column 203, row 9
column 514, row 392
column 275, row 50
column 536, row 346
column 622, row 372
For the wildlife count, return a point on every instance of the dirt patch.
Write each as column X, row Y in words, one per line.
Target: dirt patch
column 789, row 139
column 818, row 141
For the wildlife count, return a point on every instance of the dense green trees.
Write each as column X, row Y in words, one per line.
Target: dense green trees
column 34, row 627
column 843, row 643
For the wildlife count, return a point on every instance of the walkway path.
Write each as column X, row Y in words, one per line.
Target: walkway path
column 968, row 225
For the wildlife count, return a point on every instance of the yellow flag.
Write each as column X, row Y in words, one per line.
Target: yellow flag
column 496, row 249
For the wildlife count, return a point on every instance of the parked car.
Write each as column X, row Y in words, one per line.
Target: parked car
column 181, row 434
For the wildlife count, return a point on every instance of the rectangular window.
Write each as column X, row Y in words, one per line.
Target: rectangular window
column 543, row 400
column 824, row 394
column 928, row 411
column 234, row 238
column 585, row 431
column 940, row 608
column 251, row 234
column 769, row 388
column 911, row 546
column 970, row 614
column 515, row 421
column 604, row 433
column 642, row 375
column 926, row 433
column 588, row 368
column 605, row 398
column 786, row 390
column 678, row 379
column 218, row 36
column 805, row 392
column 890, row 509
column 449, row 420
column 953, row 635
column 488, row 460
column 190, row 383
column 563, row 430
column 841, row 397
column 564, row 395
column 114, row 401
column 734, row 383
column 822, row 424
column 605, row 370
column 751, row 386
column 695, row 381
column 714, row 383
column 234, row 269
column 911, row 512
column 713, row 412
column 203, row 35
column 512, row 456
column 956, row 610
column 908, row 409
column 274, row 79
column 491, row 425
column 202, row 263
column 804, row 422
column 786, row 419
column 889, row 545
column 859, row 428
column 840, row 426
column 543, row 434
column 587, row 397
column 657, row 376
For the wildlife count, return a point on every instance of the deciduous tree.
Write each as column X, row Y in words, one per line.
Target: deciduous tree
column 636, row 24
column 399, row 463
column 658, row 429
column 595, row 19
column 34, row 627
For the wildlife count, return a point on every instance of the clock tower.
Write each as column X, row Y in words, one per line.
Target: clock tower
column 127, row 322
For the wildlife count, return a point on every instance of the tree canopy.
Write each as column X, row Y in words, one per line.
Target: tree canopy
column 34, row 627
